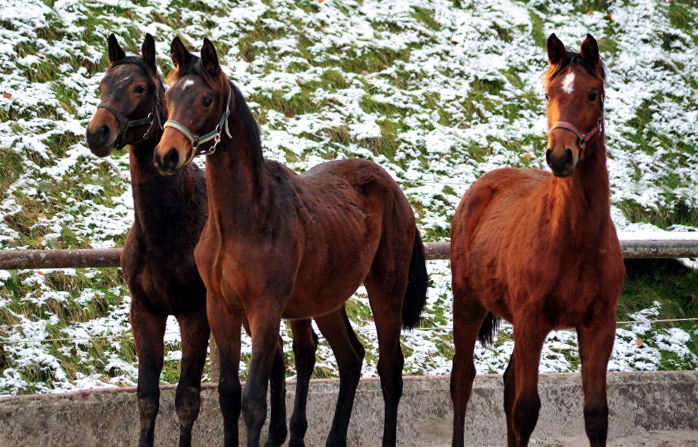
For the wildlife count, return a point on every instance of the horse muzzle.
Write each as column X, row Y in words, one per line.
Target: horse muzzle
column 101, row 136
column 562, row 162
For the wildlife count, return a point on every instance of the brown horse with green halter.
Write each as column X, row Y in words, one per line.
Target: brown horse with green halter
column 281, row 245
column 541, row 251
column 158, row 258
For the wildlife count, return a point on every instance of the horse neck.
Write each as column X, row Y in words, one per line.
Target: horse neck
column 582, row 200
column 237, row 185
column 159, row 202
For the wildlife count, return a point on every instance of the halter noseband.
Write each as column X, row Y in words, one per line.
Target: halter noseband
column 214, row 135
column 126, row 124
column 583, row 138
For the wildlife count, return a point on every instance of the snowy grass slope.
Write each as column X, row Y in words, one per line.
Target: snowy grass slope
column 437, row 92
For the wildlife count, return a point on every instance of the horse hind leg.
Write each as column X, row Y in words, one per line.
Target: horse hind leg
column 595, row 347
column 148, row 332
column 350, row 355
column 195, row 334
column 305, row 343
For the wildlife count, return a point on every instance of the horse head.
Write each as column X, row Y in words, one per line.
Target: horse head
column 574, row 85
column 199, row 105
column 130, row 95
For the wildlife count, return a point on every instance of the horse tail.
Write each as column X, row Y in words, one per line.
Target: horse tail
column 417, row 284
column 488, row 330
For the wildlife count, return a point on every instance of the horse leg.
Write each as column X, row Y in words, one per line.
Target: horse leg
column 277, row 398
column 339, row 334
column 509, row 397
column 595, row 347
column 467, row 320
column 528, row 343
column 264, row 328
column 148, row 332
column 387, row 315
column 225, row 326
column 195, row 333
column 304, row 347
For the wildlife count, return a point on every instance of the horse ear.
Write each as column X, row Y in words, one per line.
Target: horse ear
column 209, row 57
column 556, row 50
column 179, row 54
column 148, row 52
column 115, row 51
column 590, row 51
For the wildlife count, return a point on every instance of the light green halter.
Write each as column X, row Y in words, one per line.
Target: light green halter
column 214, row 135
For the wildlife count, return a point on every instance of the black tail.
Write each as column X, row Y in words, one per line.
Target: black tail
column 489, row 328
column 417, row 284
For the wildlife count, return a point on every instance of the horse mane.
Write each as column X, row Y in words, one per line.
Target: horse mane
column 195, row 67
column 575, row 58
column 249, row 123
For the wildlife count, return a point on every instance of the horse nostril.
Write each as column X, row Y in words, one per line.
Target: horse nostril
column 568, row 160
column 548, row 154
column 171, row 159
column 103, row 133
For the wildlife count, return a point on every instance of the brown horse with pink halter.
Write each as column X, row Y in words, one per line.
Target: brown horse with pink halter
column 540, row 250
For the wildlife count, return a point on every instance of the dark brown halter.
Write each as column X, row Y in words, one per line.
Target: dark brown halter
column 126, row 124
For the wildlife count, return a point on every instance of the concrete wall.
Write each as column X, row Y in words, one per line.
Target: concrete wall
column 659, row 409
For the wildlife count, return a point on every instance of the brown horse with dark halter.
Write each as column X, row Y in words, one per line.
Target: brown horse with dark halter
column 281, row 245
column 541, row 251
column 158, row 258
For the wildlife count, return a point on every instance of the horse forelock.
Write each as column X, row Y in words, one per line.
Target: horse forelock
column 571, row 58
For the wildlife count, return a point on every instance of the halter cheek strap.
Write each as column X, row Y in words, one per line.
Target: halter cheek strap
column 125, row 124
column 214, row 135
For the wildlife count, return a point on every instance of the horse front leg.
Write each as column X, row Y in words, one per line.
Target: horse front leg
column 148, row 332
column 264, row 327
column 467, row 320
column 277, row 398
column 225, row 326
column 195, row 334
column 595, row 347
column 529, row 335
column 305, row 343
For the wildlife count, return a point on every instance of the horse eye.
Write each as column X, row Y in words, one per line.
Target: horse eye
column 140, row 89
column 592, row 96
column 206, row 101
column 547, row 98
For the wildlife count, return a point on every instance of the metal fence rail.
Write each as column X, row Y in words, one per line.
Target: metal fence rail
column 46, row 259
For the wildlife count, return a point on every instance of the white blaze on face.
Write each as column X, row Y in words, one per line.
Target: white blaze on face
column 188, row 83
column 568, row 83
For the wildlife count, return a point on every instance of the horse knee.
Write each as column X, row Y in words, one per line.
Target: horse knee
column 148, row 404
column 187, row 403
column 229, row 393
column 596, row 421
column 525, row 415
column 254, row 408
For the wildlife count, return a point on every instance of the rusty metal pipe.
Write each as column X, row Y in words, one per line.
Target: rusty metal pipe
column 38, row 259
column 55, row 259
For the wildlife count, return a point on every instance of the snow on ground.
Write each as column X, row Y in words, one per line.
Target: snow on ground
column 424, row 77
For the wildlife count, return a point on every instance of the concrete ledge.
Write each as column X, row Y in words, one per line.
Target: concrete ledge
column 646, row 409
